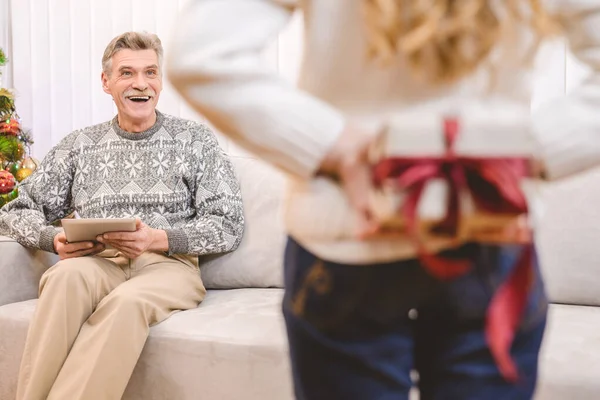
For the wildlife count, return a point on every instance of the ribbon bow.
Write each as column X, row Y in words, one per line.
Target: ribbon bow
column 493, row 183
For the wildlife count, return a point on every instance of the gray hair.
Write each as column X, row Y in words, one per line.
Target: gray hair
column 131, row 41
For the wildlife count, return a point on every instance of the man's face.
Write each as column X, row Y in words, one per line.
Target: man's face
column 135, row 84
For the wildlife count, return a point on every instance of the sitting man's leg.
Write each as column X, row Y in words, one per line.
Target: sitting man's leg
column 111, row 340
column 69, row 293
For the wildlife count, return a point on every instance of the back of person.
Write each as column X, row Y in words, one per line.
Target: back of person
column 363, row 66
column 447, row 58
column 434, row 61
column 432, row 97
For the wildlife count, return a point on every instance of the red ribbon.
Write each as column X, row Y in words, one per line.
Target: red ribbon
column 494, row 185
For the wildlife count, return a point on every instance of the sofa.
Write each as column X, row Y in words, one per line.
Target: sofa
column 233, row 346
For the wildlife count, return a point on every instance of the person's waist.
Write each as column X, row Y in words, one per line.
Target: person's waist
column 319, row 210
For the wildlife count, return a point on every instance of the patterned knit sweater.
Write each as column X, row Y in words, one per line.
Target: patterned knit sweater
column 174, row 177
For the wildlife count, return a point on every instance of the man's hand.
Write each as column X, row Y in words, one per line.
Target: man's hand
column 70, row 250
column 133, row 244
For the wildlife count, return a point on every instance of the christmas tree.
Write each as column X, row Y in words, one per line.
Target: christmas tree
column 15, row 144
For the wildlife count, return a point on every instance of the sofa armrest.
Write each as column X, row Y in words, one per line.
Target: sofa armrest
column 20, row 270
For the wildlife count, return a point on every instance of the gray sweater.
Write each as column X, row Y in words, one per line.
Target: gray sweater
column 174, row 177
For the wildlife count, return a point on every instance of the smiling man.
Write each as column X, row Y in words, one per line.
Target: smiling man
column 96, row 305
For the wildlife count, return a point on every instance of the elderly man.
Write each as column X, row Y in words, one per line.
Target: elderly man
column 97, row 303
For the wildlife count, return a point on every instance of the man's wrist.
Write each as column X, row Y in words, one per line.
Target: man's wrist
column 47, row 239
column 160, row 241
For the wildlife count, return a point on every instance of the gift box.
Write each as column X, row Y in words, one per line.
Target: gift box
column 468, row 178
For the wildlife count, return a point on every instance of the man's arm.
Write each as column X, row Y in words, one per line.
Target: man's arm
column 44, row 197
column 218, row 224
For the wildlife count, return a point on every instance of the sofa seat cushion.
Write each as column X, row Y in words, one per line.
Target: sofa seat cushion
column 231, row 347
column 570, row 357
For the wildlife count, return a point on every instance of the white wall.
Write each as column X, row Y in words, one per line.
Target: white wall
column 55, row 47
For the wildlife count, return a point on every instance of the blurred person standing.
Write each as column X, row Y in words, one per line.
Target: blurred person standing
column 404, row 109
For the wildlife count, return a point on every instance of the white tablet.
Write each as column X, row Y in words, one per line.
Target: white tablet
column 87, row 229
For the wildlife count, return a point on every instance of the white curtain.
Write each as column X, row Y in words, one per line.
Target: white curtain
column 55, row 49
column 5, row 42
column 557, row 72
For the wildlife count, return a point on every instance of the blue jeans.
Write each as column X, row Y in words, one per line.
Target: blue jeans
column 356, row 332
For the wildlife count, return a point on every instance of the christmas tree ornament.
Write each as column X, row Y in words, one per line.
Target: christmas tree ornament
column 23, row 173
column 13, row 195
column 7, row 182
column 10, row 127
column 13, row 168
column 30, row 163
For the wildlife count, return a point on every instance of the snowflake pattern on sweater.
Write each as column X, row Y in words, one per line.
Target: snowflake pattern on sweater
column 173, row 176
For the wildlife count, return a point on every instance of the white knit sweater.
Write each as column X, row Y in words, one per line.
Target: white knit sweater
column 215, row 62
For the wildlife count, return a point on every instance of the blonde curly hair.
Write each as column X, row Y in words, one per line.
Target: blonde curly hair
column 445, row 40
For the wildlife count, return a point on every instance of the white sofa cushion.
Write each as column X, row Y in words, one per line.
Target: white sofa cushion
column 258, row 261
column 20, row 270
column 233, row 346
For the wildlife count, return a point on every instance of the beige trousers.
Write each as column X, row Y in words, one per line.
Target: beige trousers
column 92, row 320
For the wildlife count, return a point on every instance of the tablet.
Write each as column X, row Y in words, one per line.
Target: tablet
column 87, row 229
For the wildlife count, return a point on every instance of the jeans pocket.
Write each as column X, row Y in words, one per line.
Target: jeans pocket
column 324, row 294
